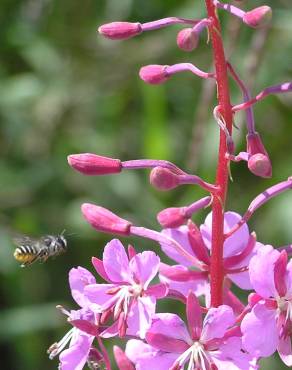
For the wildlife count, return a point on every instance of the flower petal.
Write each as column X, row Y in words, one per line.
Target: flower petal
column 144, row 267
column 116, row 262
column 139, row 318
column 146, row 357
column 261, row 271
column 236, row 242
column 79, row 278
column 285, row 350
column 260, row 320
column 216, row 322
column 75, row 356
column 98, row 297
column 180, row 235
column 170, row 325
column 231, row 357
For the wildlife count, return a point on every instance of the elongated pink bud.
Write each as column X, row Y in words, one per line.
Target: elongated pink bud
column 172, row 217
column 163, row 178
column 92, row 164
column 154, row 74
column 120, row 30
column 104, row 220
column 187, row 39
column 258, row 17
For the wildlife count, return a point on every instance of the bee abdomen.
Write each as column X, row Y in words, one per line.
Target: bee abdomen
column 24, row 253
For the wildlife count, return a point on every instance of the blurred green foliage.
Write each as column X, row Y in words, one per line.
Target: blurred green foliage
column 64, row 90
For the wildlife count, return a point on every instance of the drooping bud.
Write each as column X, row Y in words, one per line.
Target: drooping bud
column 187, row 39
column 104, row 220
column 259, row 162
column 154, row 74
column 172, row 217
column 120, row 30
column 163, row 178
column 258, row 17
column 92, row 164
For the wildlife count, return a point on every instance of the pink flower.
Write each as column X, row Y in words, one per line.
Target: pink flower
column 238, row 250
column 127, row 296
column 75, row 357
column 271, row 316
column 204, row 344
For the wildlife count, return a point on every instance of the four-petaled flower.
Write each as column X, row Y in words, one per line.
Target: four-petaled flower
column 208, row 345
column 127, row 297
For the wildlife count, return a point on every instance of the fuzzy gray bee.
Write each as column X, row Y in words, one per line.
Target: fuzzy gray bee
column 30, row 250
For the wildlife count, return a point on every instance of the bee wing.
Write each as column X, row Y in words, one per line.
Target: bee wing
column 23, row 240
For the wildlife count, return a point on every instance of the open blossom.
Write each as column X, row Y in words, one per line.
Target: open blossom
column 75, row 357
column 205, row 344
column 238, row 250
column 127, row 296
column 271, row 277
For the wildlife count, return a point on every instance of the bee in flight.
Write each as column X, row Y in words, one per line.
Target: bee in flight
column 31, row 250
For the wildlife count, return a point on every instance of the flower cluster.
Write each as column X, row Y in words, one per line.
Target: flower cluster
column 220, row 331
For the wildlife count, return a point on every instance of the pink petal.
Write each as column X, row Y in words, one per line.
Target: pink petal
column 98, row 265
column 285, row 350
column 231, row 357
column 75, row 356
column 261, row 270
column 98, row 297
column 199, row 287
column 158, row 291
column 111, row 331
column 122, row 360
column 170, row 325
column 146, row 357
column 140, row 316
column 236, row 242
column 289, row 279
column 144, row 267
column 216, row 322
column 116, row 263
column 180, row 235
column 79, row 278
column 260, row 334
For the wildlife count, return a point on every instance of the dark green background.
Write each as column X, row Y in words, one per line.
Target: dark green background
column 64, row 90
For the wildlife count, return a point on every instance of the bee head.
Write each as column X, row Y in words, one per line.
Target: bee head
column 62, row 241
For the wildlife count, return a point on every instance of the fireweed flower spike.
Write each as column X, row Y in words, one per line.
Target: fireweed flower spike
column 207, row 343
column 271, row 277
column 127, row 295
column 207, row 261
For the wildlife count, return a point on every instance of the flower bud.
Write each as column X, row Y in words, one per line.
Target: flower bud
column 120, row 30
column 259, row 162
column 163, row 179
column 172, row 217
column 92, row 164
column 104, row 220
column 260, row 165
column 258, row 17
column 187, row 39
column 154, row 74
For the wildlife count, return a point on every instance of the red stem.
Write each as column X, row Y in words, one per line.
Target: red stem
column 217, row 270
